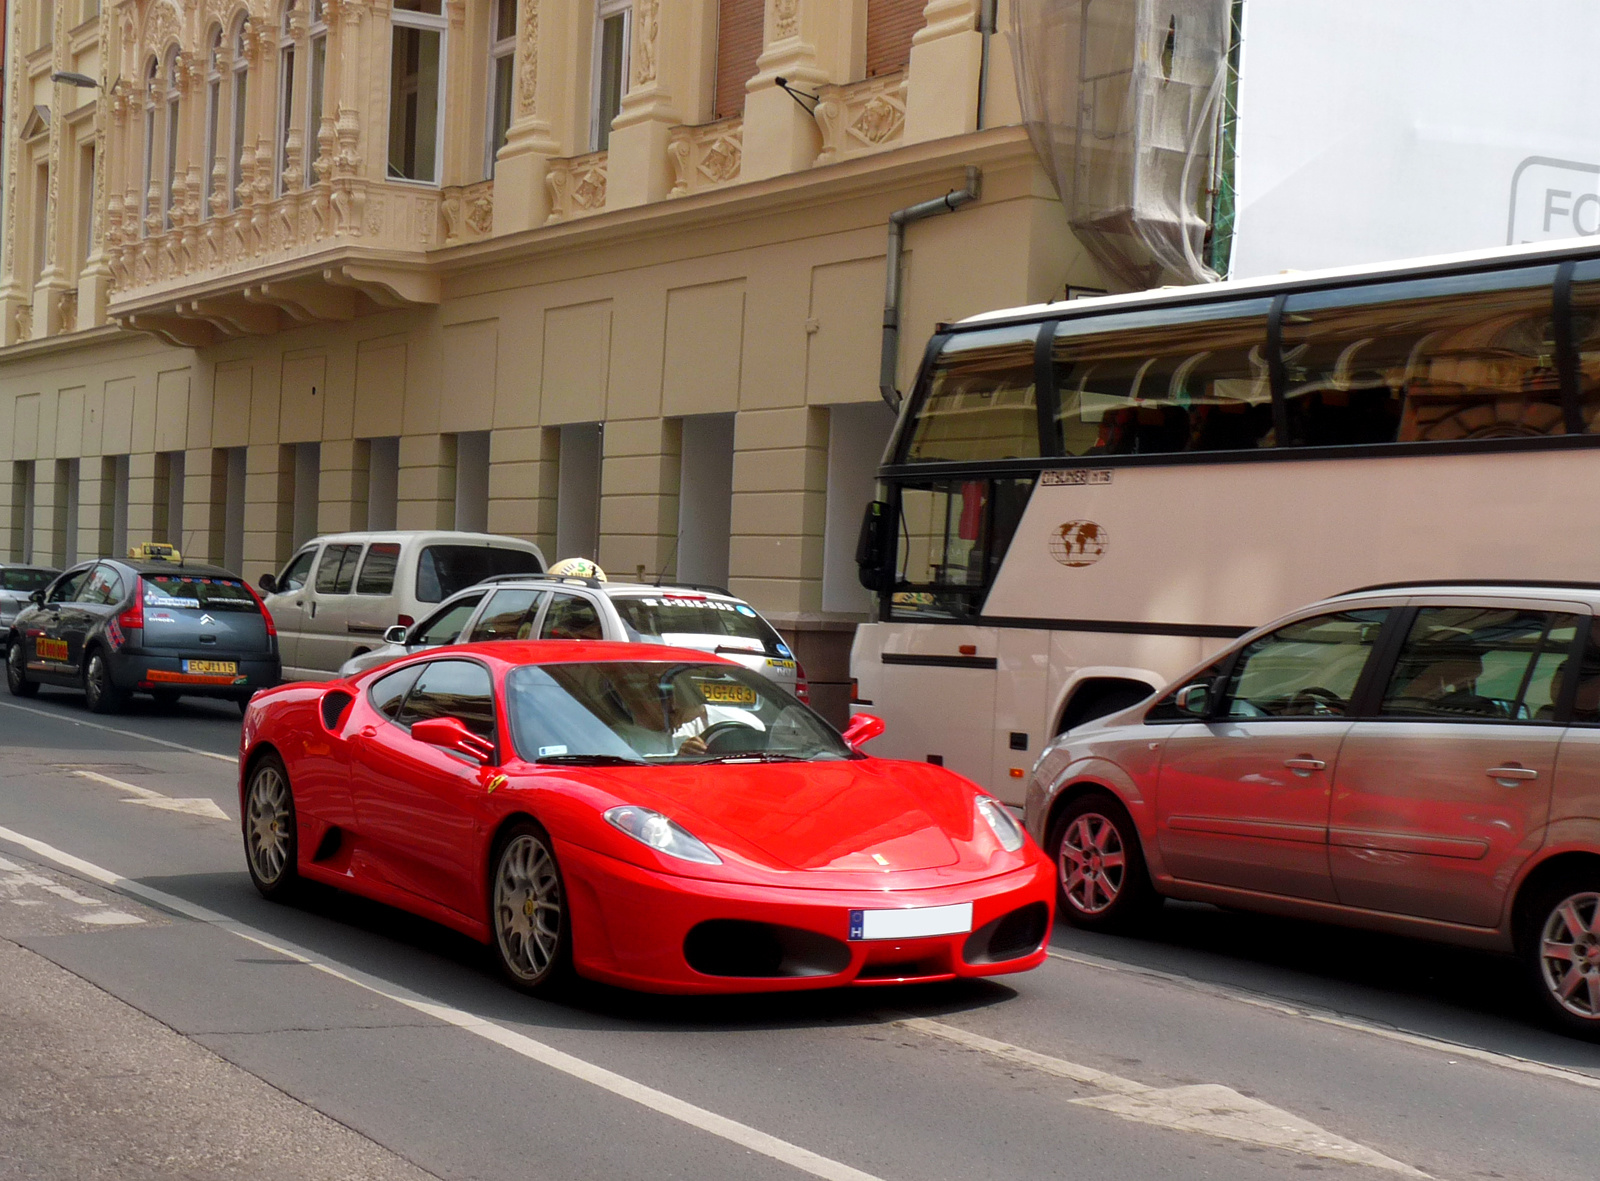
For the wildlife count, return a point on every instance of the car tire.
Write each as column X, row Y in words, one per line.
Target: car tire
column 17, row 672
column 1560, row 951
column 530, row 926
column 99, row 691
column 271, row 833
column 1101, row 880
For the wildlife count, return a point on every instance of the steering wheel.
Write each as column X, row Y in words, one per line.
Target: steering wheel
column 1320, row 701
column 729, row 737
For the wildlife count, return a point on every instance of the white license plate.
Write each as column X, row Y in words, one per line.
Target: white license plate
column 915, row 923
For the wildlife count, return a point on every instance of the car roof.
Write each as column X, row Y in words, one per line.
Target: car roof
column 613, row 589
column 511, row 653
column 174, row 569
column 1586, row 592
column 30, row 566
column 443, row 536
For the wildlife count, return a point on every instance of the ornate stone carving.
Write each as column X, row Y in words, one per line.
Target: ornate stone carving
column 528, row 48
column 67, row 310
column 163, row 25
column 706, row 156
column 861, row 117
column 576, row 185
column 785, row 19
column 646, row 31
column 23, row 318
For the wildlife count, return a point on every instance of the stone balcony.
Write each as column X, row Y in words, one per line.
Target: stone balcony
column 859, row 118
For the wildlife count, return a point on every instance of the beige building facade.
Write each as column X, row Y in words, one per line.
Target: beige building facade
column 580, row 271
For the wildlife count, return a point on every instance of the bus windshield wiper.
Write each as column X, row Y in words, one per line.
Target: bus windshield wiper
column 591, row 761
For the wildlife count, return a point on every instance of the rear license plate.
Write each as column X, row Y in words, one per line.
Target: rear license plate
column 723, row 694
column 212, row 667
column 915, row 923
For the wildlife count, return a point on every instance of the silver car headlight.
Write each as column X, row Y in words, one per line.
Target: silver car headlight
column 1006, row 829
column 661, row 833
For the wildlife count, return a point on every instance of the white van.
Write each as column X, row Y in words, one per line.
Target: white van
column 339, row 593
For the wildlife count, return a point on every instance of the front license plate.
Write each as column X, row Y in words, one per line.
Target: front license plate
column 915, row 923
column 211, row 667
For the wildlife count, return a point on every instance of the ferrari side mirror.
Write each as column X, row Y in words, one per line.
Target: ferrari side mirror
column 862, row 729
column 451, row 734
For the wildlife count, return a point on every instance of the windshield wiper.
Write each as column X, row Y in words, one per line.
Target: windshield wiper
column 751, row 756
column 591, row 761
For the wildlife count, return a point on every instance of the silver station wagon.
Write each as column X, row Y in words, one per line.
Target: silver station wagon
column 1420, row 759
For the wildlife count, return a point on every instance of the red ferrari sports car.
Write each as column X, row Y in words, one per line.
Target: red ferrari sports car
column 641, row 815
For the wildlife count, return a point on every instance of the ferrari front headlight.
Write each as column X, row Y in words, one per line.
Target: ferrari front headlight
column 1006, row 829
column 661, row 833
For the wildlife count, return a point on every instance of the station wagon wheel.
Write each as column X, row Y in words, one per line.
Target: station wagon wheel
column 17, row 672
column 271, row 836
column 99, row 690
column 1562, row 949
column 528, row 911
column 1101, row 880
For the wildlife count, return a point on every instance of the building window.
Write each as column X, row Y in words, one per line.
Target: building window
column 502, row 52
column 241, row 77
column 151, row 83
column 315, row 78
column 286, row 53
column 416, row 90
column 213, row 114
column 170, row 156
column 613, row 26
column 739, row 44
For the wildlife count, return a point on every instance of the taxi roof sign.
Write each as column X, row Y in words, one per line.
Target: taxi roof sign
column 155, row 551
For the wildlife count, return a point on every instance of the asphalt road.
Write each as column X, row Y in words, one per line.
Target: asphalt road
column 158, row 1018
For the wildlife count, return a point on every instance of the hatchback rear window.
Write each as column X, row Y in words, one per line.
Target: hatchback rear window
column 672, row 619
column 442, row 570
column 185, row 590
column 25, row 580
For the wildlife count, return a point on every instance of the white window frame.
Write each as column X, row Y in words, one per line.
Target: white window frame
column 239, row 84
column 405, row 18
column 603, row 11
column 506, row 47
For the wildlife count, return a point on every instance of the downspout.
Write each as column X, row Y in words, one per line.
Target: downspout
column 888, row 361
column 988, row 11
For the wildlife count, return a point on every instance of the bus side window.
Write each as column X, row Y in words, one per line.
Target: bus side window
column 980, row 400
column 1586, row 339
column 1441, row 365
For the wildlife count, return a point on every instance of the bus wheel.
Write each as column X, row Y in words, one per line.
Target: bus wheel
column 1101, row 880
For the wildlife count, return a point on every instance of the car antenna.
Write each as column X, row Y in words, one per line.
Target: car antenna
column 671, row 558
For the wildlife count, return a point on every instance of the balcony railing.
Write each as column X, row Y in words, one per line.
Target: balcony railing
column 706, row 156
column 576, row 185
column 859, row 118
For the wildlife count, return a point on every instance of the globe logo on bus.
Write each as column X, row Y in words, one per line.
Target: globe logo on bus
column 1079, row 543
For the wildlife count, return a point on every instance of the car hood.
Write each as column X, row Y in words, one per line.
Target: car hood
column 859, row 815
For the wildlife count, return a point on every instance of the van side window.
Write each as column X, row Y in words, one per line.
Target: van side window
column 1481, row 662
column 377, row 572
column 337, row 570
column 297, row 571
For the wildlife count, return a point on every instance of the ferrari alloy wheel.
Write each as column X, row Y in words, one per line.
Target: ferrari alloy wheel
column 529, row 911
column 17, row 672
column 1100, row 872
column 99, row 690
column 1563, row 953
column 269, row 829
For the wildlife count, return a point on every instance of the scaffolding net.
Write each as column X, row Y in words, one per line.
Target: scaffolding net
column 1124, row 102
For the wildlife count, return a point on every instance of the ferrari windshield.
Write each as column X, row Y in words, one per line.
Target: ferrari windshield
column 659, row 712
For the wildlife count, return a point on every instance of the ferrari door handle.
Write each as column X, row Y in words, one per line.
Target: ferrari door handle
column 1304, row 764
column 369, row 731
column 1503, row 773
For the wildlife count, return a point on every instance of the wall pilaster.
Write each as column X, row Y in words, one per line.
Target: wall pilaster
column 524, row 476
column 946, row 61
column 780, row 484
column 807, row 43
column 427, row 484
column 268, row 509
column 639, row 495
column 342, row 485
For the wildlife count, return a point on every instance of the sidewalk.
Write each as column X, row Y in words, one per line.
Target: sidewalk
column 92, row 1089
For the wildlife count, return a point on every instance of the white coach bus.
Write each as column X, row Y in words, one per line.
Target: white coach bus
column 1083, row 499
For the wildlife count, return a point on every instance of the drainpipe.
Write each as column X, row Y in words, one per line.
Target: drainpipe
column 987, row 18
column 888, row 361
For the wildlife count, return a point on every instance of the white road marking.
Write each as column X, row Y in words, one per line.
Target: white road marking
column 1210, row 1109
column 670, row 1106
column 17, row 877
column 110, row 918
column 194, row 750
column 1353, row 1024
column 197, row 806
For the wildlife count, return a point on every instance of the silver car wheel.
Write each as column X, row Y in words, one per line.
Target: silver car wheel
column 269, row 824
column 1569, row 954
column 1093, row 863
column 527, row 907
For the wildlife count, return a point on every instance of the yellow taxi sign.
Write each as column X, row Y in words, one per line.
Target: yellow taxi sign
column 155, row 551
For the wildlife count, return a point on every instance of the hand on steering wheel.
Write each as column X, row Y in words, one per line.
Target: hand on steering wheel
column 1321, row 701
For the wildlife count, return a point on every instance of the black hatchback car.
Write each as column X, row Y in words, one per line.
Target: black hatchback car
column 113, row 627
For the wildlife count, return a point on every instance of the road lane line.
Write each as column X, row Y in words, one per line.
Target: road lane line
column 1210, row 1109
column 743, row 1135
column 201, row 806
column 194, row 750
column 1339, row 1021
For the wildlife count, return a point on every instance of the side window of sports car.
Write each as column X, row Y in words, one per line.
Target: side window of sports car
column 387, row 693
column 458, row 689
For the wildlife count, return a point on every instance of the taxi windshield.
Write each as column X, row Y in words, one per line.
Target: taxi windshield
column 691, row 620
column 660, row 712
